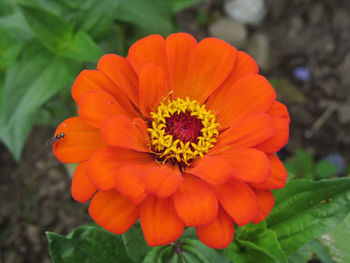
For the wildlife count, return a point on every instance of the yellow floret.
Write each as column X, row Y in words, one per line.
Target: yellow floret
column 166, row 147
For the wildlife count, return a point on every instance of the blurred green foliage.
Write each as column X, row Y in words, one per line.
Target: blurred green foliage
column 302, row 165
column 45, row 43
column 328, row 248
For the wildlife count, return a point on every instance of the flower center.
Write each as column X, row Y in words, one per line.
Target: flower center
column 181, row 131
column 184, row 127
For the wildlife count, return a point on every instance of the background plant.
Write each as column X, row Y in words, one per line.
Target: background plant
column 44, row 44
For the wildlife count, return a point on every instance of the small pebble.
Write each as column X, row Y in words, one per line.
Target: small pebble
column 246, row 11
column 302, row 73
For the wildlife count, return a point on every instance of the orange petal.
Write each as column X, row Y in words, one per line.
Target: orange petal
column 104, row 164
column 159, row 221
column 278, row 177
column 280, row 139
column 219, row 234
column 248, row 165
column 209, row 65
column 82, row 188
column 113, row 212
column 213, row 169
column 266, row 202
column 249, row 132
column 251, row 94
column 79, row 142
column 195, row 202
column 130, row 181
column 153, row 88
column 120, row 131
column 150, row 49
column 163, row 181
column 279, row 110
column 120, row 72
column 179, row 48
column 95, row 80
column 239, row 201
column 244, row 65
column 96, row 106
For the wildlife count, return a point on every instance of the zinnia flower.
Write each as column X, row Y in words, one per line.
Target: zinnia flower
column 177, row 134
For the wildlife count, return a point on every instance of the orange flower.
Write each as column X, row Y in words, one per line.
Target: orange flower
column 177, row 134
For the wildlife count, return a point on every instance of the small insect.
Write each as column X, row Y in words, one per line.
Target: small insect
column 56, row 138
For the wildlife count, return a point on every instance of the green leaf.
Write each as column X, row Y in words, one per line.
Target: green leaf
column 203, row 253
column 9, row 49
column 114, row 41
column 89, row 243
column 135, row 243
column 235, row 253
column 301, row 165
column 158, row 254
column 2, row 91
column 17, row 26
column 97, row 17
column 82, row 48
column 179, row 5
column 266, row 242
column 258, row 240
column 291, row 167
column 153, row 16
column 28, row 84
column 325, row 169
column 5, row 7
column 304, row 210
column 250, row 231
column 189, row 233
column 189, row 258
column 51, row 30
column 305, row 164
column 337, row 241
column 309, row 251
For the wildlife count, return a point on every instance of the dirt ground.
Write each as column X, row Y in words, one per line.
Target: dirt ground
column 35, row 193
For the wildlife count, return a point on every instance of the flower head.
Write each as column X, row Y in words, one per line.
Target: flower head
column 177, row 134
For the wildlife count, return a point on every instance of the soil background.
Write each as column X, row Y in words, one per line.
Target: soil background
column 35, row 193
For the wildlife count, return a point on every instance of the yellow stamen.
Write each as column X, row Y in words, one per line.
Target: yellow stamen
column 166, row 147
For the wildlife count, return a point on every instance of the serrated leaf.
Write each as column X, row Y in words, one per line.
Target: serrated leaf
column 50, row 29
column 135, row 243
column 88, row 244
column 304, row 210
column 153, row 16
